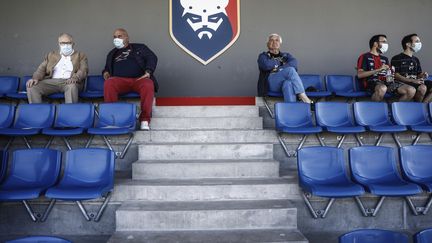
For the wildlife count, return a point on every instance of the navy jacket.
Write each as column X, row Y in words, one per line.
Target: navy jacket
column 145, row 58
column 266, row 64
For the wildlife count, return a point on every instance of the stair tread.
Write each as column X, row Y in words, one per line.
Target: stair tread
column 209, row 182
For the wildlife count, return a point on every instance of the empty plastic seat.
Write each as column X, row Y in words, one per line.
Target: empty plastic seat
column 3, row 164
column 416, row 166
column 88, row 174
column 373, row 236
column 337, row 117
column 375, row 117
column 32, row 171
column 375, row 168
column 322, row 173
column 413, row 115
column 295, row 118
column 314, row 81
column 424, row 236
column 8, row 84
column 94, row 87
column 291, row 97
column 71, row 120
column 22, row 89
column 30, row 119
column 7, row 113
column 343, row 85
column 39, row 239
column 114, row 119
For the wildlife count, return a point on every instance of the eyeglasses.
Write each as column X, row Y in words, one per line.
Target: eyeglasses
column 65, row 43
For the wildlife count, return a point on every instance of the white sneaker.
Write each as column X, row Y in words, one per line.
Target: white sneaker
column 145, row 126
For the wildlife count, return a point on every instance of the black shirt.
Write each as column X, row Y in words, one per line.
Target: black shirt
column 407, row 66
column 125, row 65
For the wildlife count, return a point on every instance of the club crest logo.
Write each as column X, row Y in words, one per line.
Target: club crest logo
column 204, row 28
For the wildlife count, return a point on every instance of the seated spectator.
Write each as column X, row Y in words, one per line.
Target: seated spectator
column 409, row 70
column 62, row 70
column 372, row 68
column 130, row 67
column 277, row 69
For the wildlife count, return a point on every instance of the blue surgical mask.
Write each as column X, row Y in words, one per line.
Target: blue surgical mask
column 66, row 49
column 118, row 43
column 417, row 46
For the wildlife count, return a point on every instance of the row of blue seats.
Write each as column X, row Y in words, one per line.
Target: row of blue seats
column 88, row 174
column 322, row 172
column 65, row 120
column 344, row 118
column 15, row 88
column 387, row 236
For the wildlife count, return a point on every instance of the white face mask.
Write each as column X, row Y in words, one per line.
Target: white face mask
column 66, row 49
column 384, row 48
column 118, row 43
column 417, row 46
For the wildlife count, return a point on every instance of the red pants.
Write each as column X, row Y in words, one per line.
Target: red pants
column 145, row 87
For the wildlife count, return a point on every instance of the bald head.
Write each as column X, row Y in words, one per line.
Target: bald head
column 122, row 34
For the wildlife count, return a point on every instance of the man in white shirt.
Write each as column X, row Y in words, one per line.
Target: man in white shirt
column 62, row 70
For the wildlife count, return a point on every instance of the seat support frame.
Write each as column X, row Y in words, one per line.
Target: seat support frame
column 121, row 154
column 303, row 140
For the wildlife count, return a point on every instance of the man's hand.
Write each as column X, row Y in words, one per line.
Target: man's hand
column 71, row 81
column 424, row 75
column 32, row 82
column 146, row 75
column 106, row 75
column 384, row 67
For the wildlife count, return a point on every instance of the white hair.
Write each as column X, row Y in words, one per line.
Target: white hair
column 277, row 35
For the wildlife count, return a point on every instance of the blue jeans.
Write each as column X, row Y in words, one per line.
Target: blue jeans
column 280, row 81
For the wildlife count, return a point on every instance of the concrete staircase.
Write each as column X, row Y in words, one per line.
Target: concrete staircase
column 206, row 174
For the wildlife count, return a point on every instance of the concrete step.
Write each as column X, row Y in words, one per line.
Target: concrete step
column 205, row 111
column 220, row 123
column 216, row 236
column 207, row 136
column 197, row 169
column 204, row 151
column 169, row 216
column 206, row 189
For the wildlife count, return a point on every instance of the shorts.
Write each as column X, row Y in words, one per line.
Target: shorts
column 391, row 86
column 428, row 84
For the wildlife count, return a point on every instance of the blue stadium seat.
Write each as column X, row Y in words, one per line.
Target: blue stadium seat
column 322, row 173
column 416, row 166
column 94, row 87
column 32, row 172
column 424, row 236
column 30, row 119
column 130, row 95
column 21, row 94
column 8, row 84
column 337, row 117
column 7, row 113
column 295, row 118
column 375, row 168
column 271, row 93
column 88, row 174
column 373, row 236
column 375, row 117
column 343, row 85
column 71, row 120
column 56, row 96
column 413, row 115
column 314, row 81
column 114, row 119
column 3, row 164
column 39, row 239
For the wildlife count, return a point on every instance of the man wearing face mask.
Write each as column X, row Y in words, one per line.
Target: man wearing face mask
column 372, row 68
column 130, row 67
column 408, row 68
column 63, row 70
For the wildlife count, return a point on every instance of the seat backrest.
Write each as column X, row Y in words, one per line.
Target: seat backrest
column 416, row 163
column 8, row 84
column 116, row 115
column 410, row 113
column 371, row 164
column 7, row 113
column 74, row 115
column 321, row 165
column 34, row 116
column 312, row 80
column 424, row 236
column 334, row 114
column 3, row 164
column 23, row 82
column 372, row 113
column 293, row 115
column 34, row 167
column 89, row 167
column 373, row 236
column 340, row 83
column 94, row 83
column 37, row 239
